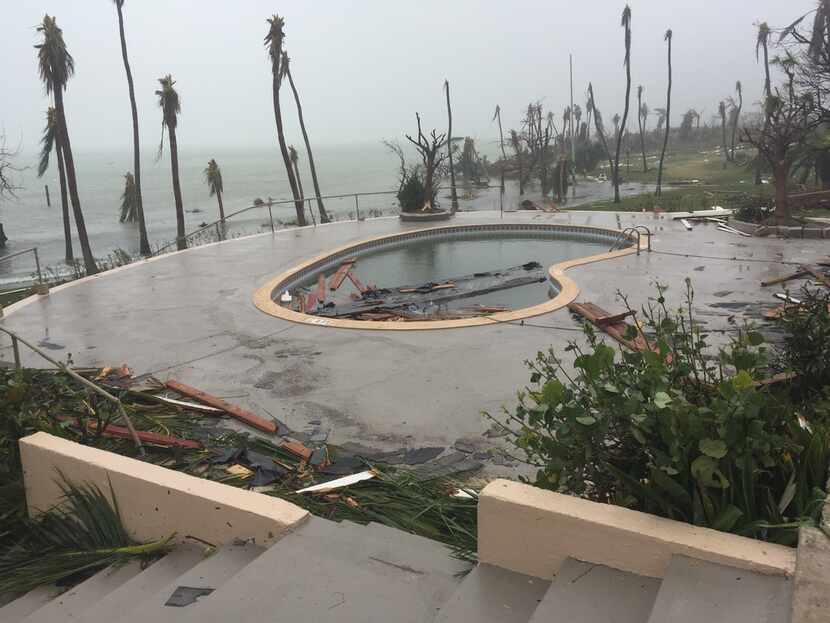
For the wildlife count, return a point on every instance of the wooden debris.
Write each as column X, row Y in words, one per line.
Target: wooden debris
column 772, row 282
column 732, row 230
column 686, row 224
column 239, row 470
column 357, row 283
column 238, row 413
column 614, row 325
column 817, row 275
column 340, row 275
column 297, row 449
column 321, row 289
column 150, row 438
column 190, row 406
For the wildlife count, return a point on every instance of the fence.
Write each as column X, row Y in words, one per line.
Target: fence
column 218, row 230
column 33, row 251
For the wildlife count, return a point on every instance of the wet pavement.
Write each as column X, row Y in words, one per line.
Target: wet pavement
column 190, row 316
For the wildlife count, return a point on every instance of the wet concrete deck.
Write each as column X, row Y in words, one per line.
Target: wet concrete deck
column 190, row 316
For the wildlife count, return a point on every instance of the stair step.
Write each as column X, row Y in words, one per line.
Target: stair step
column 588, row 593
column 74, row 602
column 493, row 595
column 695, row 590
column 325, row 572
column 133, row 593
column 210, row 573
column 24, row 605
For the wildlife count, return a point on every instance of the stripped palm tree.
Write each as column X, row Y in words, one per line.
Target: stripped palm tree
column 213, row 177
column 143, row 241
column 724, row 146
column 56, row 67
column 592, row 106
column 736, row 118
column 50, row 142
column 626, row 24
column 497, row 117
column 170, row 108
column 640, row 117
column 762, row 43
column 129, row 200
column 453, row 192
column 667, row 38
column 324, row 217
column 273, row 42
column 295, row 164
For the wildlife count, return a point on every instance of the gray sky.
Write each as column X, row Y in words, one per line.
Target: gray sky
column 364, row 67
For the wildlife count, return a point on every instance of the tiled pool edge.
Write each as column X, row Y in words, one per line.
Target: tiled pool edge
column 568, row 289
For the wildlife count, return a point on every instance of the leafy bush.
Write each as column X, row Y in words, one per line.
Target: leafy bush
column 676, row 432
column 806, row 348
column 412, row 193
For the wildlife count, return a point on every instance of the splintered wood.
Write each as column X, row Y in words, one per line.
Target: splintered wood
column 238, row 413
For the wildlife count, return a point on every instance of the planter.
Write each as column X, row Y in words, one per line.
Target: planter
column 425, row 217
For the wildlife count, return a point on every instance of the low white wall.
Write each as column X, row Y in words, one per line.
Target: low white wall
column 154, row 501
column 532, row 531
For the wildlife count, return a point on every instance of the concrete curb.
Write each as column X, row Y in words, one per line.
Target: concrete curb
column 533, row 531
column 154, row 501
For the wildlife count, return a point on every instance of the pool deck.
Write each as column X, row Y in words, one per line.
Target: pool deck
column 190, row 316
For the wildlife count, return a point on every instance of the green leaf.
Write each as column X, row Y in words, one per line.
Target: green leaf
column 586, row 420
column 662, row 400
column 553, row 392
column 705, row 471
column 611, row 388
column 754, row 338
column 727, row 518
column 742, row 380
column 715, row 448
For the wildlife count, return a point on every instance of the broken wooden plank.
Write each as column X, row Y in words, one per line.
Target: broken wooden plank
column 357, row 283
column 340, row 275
column 311, row 302
column 614, row 318
column 238, row 413
column 771, row 282
column 619, row 330
column 321, row 288
column 297, row 449
column 148, row 437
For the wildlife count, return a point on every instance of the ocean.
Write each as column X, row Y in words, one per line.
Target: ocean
column 247, row 174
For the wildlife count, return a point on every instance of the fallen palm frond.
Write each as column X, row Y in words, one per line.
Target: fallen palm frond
column 82, row 535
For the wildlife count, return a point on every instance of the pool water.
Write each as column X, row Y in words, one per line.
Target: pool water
column 425, row 261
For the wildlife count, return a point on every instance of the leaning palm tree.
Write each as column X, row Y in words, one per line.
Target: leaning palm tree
column 324, row 217
column 213, row 177
column 56, row 67
column 143, row 242
column 762, row 43
column 294, row 157
column 626, row 24
column 640, row 117
column 453, row 192
column 273, row 41
column 659, row 190
column 129, row 200
column 737, row 117
column 50, row 142
column 170, row 109
column 724, row 146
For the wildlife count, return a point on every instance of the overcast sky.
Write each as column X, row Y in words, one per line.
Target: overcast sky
column 364, row 67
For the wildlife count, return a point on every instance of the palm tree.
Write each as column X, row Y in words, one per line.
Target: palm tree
column 143, row 242
column 213, row 177
column 592, row 106
column 50, row 142
column 626, row 24
column 667, row 38
column 737, row 118
column 170, row 109
column 453, row 192
column 295, row 161
column 324, row 217
column 129, row 200
column 762, row 43
column 273, row 41
column 724, row 147
column 640, row 117
column 56, row 67
column 497, row 116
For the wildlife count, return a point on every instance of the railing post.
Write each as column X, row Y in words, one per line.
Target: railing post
column 270, row 216
column 16, row 351
column 356, row 208
column 37, row 265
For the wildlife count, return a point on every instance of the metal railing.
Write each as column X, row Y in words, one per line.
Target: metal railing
column 17, row 340
column 628, row 232
column 218, row 224
column 33, row 250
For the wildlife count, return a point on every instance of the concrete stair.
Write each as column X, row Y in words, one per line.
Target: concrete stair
column 325, row 571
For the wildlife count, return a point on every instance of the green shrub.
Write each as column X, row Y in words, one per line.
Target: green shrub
column 412, row 193
column 676, row 433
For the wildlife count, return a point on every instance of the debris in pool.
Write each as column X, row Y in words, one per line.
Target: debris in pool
column 285, row 298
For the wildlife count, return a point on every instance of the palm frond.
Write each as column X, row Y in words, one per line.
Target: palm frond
column 213, row 177
column 47, row 142
column 55, row 63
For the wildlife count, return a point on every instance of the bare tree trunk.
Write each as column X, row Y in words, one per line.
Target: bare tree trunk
column 449, row 149
column 659, row 190
column 642, row 131
column 781, row 172
column 221, row 205
column 620, row 132
column 89, row 260
column 324, row 217
column 143, row 242
column 289, row 171
column 767, row 93
column 181, row 241
column 69, row 255
column 735, row 125
column 2, row 237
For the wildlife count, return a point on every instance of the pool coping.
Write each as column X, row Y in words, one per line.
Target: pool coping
column 568, row 289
